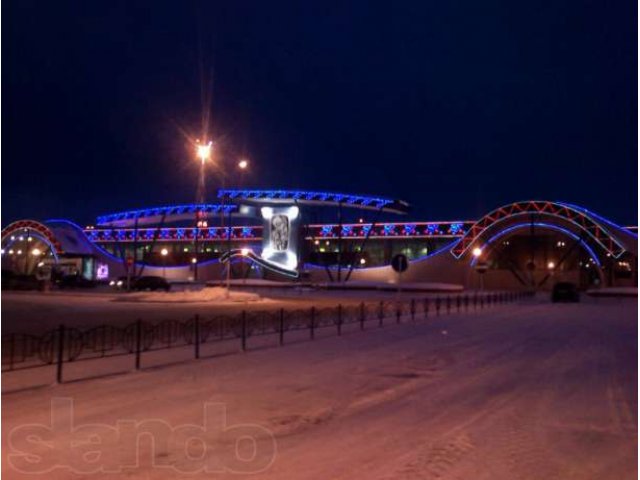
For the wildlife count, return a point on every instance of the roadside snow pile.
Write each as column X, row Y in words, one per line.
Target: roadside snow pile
column 216, row 294
column 614, row 292
column 389, row 286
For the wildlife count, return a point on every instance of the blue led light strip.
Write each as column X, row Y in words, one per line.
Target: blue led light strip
column 191, row 208
column 303, row 196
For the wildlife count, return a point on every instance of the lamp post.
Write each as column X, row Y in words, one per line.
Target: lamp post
column 242, row 165
column 164, row 252
column 477, row 252
column 203, row 152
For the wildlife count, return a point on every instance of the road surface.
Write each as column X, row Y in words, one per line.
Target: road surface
column 528, row 391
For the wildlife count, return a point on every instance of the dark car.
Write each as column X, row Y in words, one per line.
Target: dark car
column 150, row 283
column 75, row 281
column 565, row 292
column 17, row 281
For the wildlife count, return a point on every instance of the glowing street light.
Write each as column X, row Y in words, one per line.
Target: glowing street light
column 36, row 252
column 203, row 151
column 164, row 252
column 477, row 252
column 245, row 251
column 551, row 265
column 243, row 164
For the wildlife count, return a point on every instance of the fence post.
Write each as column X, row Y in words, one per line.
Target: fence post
column 61, row 334
column 361, row 315
column 448, row 305
column 438, row 301
column 398, row 311
column 281, row 341
column 413, row 310
column 138, row 342
column 458, row 303
column 426, row 308
column 196, row 326
column 380, row 313
column 244, row 330
column 339, row 319
column 312, row 323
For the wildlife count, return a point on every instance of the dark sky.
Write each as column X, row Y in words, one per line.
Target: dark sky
column 454, row 106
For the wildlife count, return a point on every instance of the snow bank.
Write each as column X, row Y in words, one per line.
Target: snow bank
column 614, row 292
column 214, row 294
column 388, row 286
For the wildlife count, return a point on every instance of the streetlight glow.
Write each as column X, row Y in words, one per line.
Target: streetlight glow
column 551, row 265
column 243, row 164
column 36, row 252
column 164, row 252
column 245, row 251
column 477, row 252
column 203, row 150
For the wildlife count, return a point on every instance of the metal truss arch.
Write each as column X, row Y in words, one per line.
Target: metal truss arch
column 585, row 222
column 35, row 228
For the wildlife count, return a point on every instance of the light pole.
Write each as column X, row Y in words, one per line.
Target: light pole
column 242, row 165
column 164, row 252
column 477, row 252
column 203, row 152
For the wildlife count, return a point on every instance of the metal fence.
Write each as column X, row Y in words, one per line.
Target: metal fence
column 64, row 345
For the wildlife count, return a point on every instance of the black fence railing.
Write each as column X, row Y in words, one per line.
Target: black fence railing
column 64, row 345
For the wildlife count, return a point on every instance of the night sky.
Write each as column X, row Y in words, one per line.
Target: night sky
column 456, row 106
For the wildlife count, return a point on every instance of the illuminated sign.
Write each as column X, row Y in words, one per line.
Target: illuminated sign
column 279, row 245
column 102, row 272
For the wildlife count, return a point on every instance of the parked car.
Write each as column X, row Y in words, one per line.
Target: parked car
column 17, row 281
column 565, row 292
column 150, row 283
column 119, row 283
column 141, row 283
column 76, row 281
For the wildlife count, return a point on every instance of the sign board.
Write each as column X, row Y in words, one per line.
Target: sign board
column 102, row 271
column 280, row 238
column 399, row 263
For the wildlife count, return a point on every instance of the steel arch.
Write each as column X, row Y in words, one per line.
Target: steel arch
column 41, row 229
column 587, row 223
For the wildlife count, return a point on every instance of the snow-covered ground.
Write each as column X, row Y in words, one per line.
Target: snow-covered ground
column 35, row 312
column 614, row 292
column 527, row 391
column 211, row 294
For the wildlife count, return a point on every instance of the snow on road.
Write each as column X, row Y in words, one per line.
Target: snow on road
column 529, row 391
column 211, row 294
column 34, row 312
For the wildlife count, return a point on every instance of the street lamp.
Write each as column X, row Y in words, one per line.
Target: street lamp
column 477, row 252
column 36, row 252
column 243, row 164
column 203, row 152
column 164, row 252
